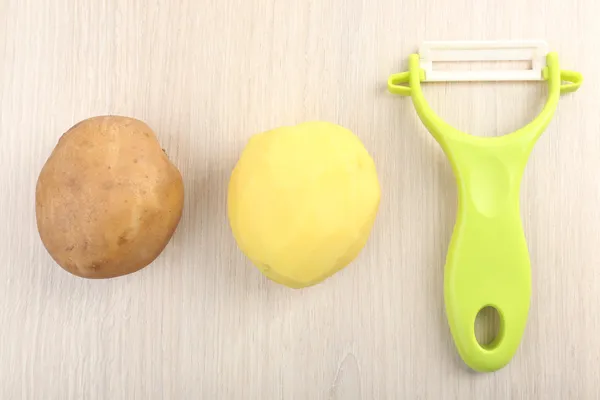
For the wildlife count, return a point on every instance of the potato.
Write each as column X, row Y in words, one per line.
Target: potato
column 302, row 201
column 108, row 199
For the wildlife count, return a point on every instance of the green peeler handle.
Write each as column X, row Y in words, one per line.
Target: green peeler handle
column 487, row 264
column 488, row 260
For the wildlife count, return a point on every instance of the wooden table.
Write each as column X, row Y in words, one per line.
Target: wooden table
column 201, row 322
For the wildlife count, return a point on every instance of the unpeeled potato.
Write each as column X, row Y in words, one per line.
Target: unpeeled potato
column 108, row 199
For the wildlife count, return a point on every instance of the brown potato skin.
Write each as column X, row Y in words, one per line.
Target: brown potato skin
column 108, row 199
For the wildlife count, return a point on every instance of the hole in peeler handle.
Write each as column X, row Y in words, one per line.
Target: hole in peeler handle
column 487, row 327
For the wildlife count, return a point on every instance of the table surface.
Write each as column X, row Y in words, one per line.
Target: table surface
column 201, row 322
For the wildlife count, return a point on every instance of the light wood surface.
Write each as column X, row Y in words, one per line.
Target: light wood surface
column 201, row 322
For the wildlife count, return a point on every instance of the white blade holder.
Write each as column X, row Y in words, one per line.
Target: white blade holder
column 440, row 51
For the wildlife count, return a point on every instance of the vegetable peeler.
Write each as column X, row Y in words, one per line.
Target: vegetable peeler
column 487, row 262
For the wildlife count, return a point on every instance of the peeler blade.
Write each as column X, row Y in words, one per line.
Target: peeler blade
column 534, row 51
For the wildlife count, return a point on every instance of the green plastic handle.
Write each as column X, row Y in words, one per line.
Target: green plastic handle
column 488, row 260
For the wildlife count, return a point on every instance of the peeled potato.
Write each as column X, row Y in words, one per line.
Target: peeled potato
column 108, row 199
column 302, row 201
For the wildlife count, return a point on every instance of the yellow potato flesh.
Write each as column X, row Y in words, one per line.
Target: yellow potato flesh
column 302, row 201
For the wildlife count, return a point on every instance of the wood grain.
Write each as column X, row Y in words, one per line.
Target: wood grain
column 201, row 322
